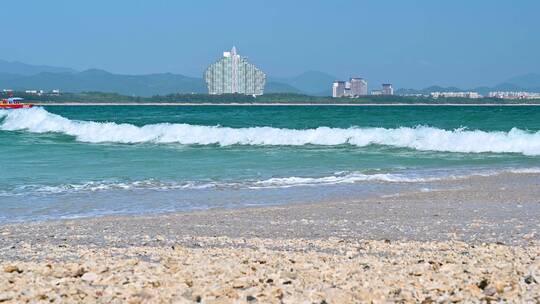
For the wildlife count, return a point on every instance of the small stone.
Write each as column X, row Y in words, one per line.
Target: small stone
column 251, row 298
column 12, row 268
column 78, row 273
column 499, row 286
column 483, row 284
column 89, row 277
column 530, row 279
column 529, row 236
column 490, row 291
column 240, row 283
column 6, row 296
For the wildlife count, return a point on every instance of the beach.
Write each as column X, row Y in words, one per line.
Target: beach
column 476, row 240
column 143, row 204
column 259, row 152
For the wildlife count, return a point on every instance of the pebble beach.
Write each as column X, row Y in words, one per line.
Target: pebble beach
column 227, row 270
column 474, row 242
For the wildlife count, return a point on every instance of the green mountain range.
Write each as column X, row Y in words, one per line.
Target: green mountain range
column 21, row 76
column 311, row 82
column 19, row 68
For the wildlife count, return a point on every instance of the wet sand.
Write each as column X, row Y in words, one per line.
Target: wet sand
column 477, row 240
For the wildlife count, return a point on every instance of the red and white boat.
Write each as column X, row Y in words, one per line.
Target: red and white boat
column 14, row 103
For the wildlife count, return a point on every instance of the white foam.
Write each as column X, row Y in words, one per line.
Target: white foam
column 350, row 178
column 285, row 182
column 277, row 182
column 421, row 138
column 525, row 171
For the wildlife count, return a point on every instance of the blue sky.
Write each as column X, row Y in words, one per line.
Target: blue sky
column 411, row 43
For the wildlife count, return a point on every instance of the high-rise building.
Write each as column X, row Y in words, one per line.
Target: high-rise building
column 359, row 87
column 354, row 88
column 234, row 74
column 338, row 89
column 387, row 89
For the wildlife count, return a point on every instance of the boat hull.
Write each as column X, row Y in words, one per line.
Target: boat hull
column 16, row 106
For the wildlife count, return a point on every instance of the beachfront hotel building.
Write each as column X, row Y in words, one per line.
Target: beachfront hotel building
column 338, row 89
column 387, row 89
column 355, row 87
column 233, row 74
column 359, row 87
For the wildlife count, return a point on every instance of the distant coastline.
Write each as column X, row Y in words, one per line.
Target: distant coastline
column 282, row 104
column 101, row 98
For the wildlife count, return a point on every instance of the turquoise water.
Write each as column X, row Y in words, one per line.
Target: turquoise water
column 83, row 161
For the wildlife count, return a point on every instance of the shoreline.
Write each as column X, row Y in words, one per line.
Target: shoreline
column 489, row 197
column 528, row 178
column 277, row 104
column 477, row 240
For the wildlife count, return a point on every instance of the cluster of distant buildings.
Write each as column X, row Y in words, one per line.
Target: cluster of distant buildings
column 357, row 87
column 35, row 92
column 475, row 95
column 352, row 88
column 234, row 74
column 472, row 95
column 514, row 95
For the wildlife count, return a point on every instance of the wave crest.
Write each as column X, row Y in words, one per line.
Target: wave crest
column 422, row 138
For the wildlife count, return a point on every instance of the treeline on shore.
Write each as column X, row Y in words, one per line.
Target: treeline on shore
column 278, row 98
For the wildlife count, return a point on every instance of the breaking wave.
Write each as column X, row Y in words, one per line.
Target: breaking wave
column 422, row 138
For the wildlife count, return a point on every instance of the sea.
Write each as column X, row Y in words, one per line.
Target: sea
column 59, row 162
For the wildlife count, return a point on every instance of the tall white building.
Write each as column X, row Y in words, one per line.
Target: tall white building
column 233, row 74
column 387, row 89
column 353, row 88
column 359, row 87
column 338, row 89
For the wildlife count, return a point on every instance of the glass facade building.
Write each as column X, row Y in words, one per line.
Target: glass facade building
column 234, row 74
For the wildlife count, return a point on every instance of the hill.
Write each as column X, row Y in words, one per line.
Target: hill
column 19, row 68
column 134, row 85
column 280, row 87
column 313, row 82
column 99, row 80
column 21, row 76
column 528, row 82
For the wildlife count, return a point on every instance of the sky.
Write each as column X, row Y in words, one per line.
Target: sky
column 410, row 43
